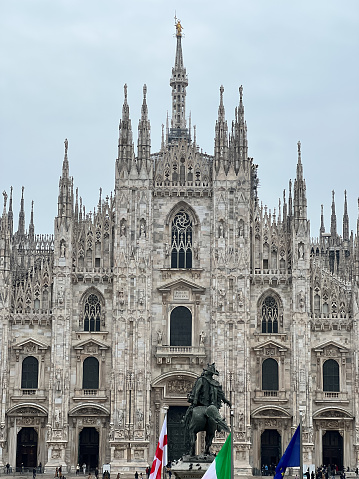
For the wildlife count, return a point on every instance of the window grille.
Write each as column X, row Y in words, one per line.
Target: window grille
column 270, row 375
column 181, row 255
column 90, row 379
column 30, row 372
column 269, row 315
column 331, row 376
column 92, row 313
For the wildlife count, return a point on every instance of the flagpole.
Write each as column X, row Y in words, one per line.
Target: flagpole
column 165, row 455
column 301, row 446
column 231, row 414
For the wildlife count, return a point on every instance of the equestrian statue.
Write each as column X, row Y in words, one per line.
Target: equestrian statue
column 205, row 401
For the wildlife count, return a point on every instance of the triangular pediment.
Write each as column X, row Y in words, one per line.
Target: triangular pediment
column 30, row 343
column 182, row 283
column 329, row 345
column 90, row 343
column 270, row 344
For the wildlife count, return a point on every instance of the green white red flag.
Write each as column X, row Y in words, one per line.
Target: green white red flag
column 221, row 466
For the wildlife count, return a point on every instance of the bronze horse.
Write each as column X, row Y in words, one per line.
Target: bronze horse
column 208, row 419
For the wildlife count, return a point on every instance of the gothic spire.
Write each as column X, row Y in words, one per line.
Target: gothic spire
column 322, row 228
column 239, row 133
column 65, row 198
column 10, row 215
column 179, row 83
column 144, row 142
column 21, row 227
column 333, row 218
column 31, row 225
column 300, row 199
column 125, row 143
column 345, row 219
column 221, row 134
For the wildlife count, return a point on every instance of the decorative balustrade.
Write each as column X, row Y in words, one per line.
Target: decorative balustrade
column 331, row 397
column 83, row 394
column 168, row 353
column 261, row 395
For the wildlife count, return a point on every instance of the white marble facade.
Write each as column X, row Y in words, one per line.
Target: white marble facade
column 105, row 324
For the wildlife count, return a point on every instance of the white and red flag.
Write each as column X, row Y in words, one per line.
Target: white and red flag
column 160, row 458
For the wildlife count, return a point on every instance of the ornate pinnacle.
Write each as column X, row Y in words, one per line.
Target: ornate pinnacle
column 221, row 90
column 144, row 91
column 125, row 91
column 241, row 92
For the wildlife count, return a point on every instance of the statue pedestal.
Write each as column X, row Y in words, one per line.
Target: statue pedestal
column 192, row 467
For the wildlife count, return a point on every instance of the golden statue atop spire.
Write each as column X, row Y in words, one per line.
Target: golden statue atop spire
column 178, row 26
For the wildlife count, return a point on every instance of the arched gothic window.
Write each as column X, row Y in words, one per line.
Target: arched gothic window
column 181, row 241
column 90, row 378
column 269, row 315
column 270, row 375
column 181, row 327
column 331, row 376
column 30, row 373
column 92, row 313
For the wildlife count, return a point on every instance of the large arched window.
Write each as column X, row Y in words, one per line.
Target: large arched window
column 90, row 378
column 181, row 241
column 92, row 313
column 30, row 373
column 181, row 327
column 331, row 376
column 269, row 315
column 270, row 375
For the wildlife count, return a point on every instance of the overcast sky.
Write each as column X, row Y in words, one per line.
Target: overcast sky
column 63, row 64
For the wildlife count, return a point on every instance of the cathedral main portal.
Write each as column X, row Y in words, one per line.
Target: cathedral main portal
column 270, row 449
column 177, row 445
column 26, row 450
column 333, row 449
column 89, row 448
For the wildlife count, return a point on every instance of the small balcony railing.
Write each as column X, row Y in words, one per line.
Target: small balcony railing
column 99, row 394
column 331, row 396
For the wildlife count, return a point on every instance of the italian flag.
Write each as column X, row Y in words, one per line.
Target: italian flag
column 221, row 466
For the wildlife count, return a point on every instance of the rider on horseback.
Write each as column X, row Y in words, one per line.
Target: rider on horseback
column 206, row 392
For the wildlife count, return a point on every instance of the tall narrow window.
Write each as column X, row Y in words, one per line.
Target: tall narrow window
column 90, row 378
column 331, row 376
column 181, row 255
column 181, row 327
column 317, row 304
column 92, row 313
column 30, row 372
column 269, row 315
column 270, row 375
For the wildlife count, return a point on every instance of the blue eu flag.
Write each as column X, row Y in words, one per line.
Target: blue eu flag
column 291, row 456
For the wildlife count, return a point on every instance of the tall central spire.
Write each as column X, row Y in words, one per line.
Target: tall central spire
column 179, row 83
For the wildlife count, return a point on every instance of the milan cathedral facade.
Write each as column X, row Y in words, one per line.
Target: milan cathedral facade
column 105, row 324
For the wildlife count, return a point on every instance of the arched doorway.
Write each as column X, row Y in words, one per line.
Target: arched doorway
column 89, row 448
column 270, row 449
column 333, row 449
column 26, row 448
